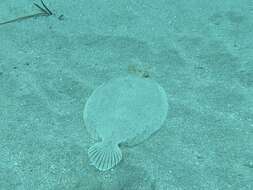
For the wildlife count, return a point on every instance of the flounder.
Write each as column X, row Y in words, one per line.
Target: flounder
column 124, row 110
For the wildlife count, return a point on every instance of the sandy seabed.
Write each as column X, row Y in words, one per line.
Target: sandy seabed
column 201, row 52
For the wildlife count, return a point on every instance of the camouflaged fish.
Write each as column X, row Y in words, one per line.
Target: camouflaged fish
column 124, row 110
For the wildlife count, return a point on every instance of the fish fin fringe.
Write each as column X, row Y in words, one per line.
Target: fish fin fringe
column 104, row 156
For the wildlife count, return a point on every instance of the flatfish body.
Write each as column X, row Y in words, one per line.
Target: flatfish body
column 124, row 110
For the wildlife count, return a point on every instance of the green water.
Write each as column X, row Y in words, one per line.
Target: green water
column 200, row 51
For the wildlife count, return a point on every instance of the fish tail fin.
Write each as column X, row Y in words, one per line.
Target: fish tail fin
column 104, row 156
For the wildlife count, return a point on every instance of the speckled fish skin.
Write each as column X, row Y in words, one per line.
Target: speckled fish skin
column 124, row 109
